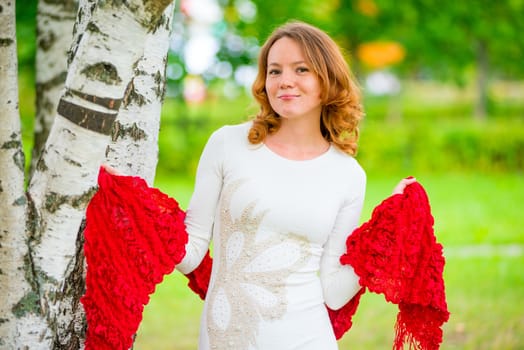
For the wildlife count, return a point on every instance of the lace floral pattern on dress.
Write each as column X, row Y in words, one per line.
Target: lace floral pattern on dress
column 250, row 283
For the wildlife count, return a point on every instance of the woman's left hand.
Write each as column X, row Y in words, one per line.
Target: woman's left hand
column 399, row 188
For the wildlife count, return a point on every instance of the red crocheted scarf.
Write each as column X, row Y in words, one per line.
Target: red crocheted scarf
column 396, row 254
column 135, row 235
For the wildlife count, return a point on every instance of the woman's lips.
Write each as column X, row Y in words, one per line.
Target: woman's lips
column 287, row 97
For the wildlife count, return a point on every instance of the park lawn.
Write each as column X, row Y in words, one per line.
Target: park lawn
column 483, row 292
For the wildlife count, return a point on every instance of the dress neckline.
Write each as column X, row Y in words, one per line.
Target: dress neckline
column 279, row 156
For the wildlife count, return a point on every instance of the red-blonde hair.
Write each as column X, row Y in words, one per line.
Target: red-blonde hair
column 341, row 101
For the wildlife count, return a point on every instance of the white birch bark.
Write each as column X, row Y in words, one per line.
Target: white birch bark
column 134, row 150
column 65, row 176
column 17, row 300
column 85, row 11
column 55, row 21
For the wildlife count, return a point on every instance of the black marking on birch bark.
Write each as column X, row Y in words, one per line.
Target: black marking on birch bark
column 72, row 334
column 46, row 40
column 102, row 71
column 133, row 131
column 160, row 88
column 30, row 303
column 151, row 11
column 156, row 8
column 72, row 51
column 34, row 276
column 32, row 219
column 1, row 188
column 84, row 198
column 87, row 118
column 20, row 201
column 109, row 103
column 40, row 164
column 93, row 28
column 131, row 95
column 73, row 162
column 18, row 156
column 162, row 21
column 34, row 225
column 135, row 97
column 13, row 144
column 53, row 201
column 158, row 77
column 166, row 22
column 6, row 42
column 19, row 159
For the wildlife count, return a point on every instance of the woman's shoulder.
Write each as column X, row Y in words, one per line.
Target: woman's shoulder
column 234, row 129
column 232, row 133
column 347, row 161
column 349, row 173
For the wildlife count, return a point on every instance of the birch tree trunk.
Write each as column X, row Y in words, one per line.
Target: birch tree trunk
column 55, row 20
column 15, row 289
column 134, row 150
column 42, row 272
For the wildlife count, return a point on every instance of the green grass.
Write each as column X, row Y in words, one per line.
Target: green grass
column 469, row 208
column 483, row 294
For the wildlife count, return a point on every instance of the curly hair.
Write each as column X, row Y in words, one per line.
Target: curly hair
column 341, row 100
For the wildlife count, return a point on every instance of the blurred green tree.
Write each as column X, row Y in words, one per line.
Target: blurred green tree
column 445, row 39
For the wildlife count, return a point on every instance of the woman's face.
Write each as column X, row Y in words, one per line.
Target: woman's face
column 292, row 87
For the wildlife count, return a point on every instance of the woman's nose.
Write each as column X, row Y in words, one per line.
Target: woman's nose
column 286, row 80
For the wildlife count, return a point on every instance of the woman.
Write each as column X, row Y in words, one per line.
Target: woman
column 278, row 197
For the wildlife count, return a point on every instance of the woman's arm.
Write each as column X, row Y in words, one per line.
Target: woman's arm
column 339, row 282
column 200, row 214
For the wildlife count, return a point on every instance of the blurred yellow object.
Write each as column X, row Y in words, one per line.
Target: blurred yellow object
column 367, row 7
column 379, row 54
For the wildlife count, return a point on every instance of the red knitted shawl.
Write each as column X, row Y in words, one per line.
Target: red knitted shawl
column 135, row 235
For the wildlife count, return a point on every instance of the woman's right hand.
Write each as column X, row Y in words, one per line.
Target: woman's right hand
column 111, row 170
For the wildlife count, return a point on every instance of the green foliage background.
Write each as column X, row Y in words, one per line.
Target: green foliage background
column 423, row 132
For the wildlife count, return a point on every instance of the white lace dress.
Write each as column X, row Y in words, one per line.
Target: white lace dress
column 278, row 228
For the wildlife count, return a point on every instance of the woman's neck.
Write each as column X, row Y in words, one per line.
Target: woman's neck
column 297, row 140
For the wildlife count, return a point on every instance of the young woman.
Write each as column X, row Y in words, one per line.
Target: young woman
column 277, row 197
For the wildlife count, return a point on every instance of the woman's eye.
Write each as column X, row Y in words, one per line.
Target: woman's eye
column 302, row 69
column 273, row 72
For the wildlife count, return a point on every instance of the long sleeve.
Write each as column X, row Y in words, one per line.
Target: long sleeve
column 200, row 214
column 340, row 282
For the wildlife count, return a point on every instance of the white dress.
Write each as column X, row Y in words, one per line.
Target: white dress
column 278, row 228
